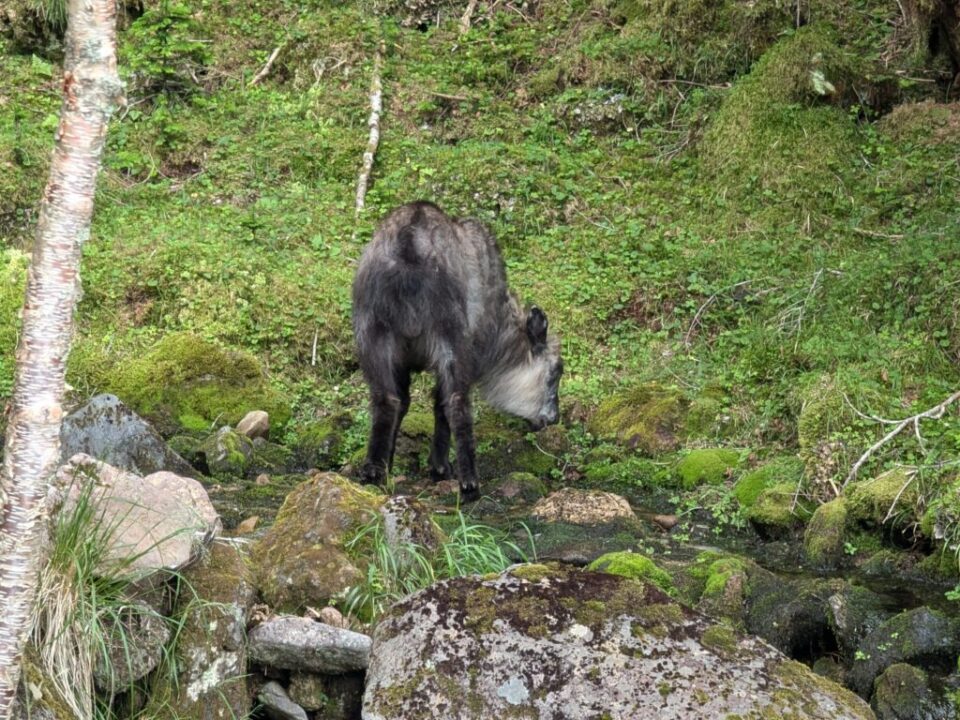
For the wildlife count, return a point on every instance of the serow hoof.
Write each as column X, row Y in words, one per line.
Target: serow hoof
column 469, row 493
column 371, row 474
column 439, row 474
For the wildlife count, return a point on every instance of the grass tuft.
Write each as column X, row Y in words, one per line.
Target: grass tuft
column 396, row 570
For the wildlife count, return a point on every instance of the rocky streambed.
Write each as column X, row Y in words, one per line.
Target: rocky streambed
column 620, row 610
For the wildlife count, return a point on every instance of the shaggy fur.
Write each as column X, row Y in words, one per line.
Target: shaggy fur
column 431, row 294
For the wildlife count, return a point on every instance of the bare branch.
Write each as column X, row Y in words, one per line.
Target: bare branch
column 911, row 474
column 934, row 413
column 467, row 17
column 265, row 70
column 376, row 105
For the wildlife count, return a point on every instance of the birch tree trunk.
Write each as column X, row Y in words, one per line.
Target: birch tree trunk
column 91, row 90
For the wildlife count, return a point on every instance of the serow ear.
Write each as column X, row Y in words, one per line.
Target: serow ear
column 537, row 329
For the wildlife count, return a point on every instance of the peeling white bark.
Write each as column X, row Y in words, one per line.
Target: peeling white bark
column 91, row 91
column 376, row 105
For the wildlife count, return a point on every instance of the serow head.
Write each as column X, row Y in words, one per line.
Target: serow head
column 547, row 368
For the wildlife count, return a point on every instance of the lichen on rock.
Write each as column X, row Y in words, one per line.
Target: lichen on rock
column 573, row 643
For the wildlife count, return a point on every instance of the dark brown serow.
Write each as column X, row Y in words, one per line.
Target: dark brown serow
column 431, row 294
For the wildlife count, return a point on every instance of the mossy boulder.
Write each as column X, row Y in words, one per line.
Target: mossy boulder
column 211, row 680
column 921, row 635
column 716, row 584
column 778, row 471
column 778, row 512
column 13, row 280
column 187, row 382
column 779, row 126
column 903, row 692
column 854, row 612
column 890, row 497
column 823, row 540
column 636, row 566
column 302, row 559
column 791, row 614
column 226, row 453
column 318, row 444
column 559, row 635
column 706, row 467
column 648, row 418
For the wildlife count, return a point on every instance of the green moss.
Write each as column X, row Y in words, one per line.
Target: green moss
column 889, row 497
column 534, row 572
column 318, row 444
column 636, row 566
column 13, row 280
column 532, row 460
column 418, row 424
column 781, row 470
column 719, row 574
column 184, row 379
column 824, row 537
column 647, row 418
column 703, row 417
column 710, row 467
column 774, row 128
column 302, row 560
column 43, row 700
column 900, row 691
column 720, row 638
column 775, row 510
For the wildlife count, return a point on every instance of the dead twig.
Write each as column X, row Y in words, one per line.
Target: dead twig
column 875, row 234
column 688, row 336
column 911, row 474
column 447, row 96
column 934, row 413
column 265, row 70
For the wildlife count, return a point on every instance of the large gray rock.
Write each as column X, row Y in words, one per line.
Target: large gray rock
column 108, row 430
column 157, row 522
column 553, row 642
column 295, row 643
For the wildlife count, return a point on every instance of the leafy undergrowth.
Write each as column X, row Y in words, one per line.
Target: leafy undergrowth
column 701, row 195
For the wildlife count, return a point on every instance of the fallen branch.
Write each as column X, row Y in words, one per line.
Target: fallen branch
column 911, row 474
column 467, row 17
column 376, row 105
column 934, row 413
column 265, row 70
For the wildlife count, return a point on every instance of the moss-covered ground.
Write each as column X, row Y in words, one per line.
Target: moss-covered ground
column 743, row 227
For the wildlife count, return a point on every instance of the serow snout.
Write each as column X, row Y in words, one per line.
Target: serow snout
column 544, row 419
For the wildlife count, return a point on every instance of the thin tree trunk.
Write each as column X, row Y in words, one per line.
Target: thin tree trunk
column 91, row 90
column 376, row 106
